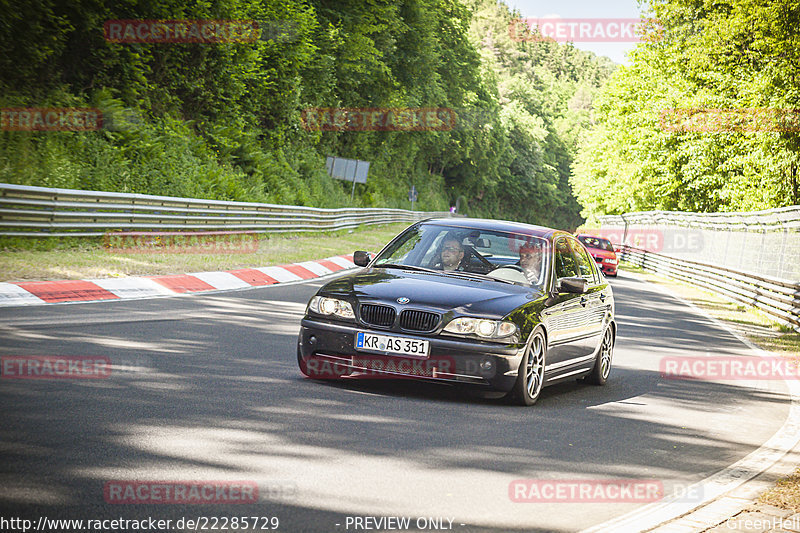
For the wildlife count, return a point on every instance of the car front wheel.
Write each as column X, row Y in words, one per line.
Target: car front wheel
column 602, row 364
column 530, row 377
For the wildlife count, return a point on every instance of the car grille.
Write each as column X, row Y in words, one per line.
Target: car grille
column 598, row 259
column 378, row 315
column 418, row 320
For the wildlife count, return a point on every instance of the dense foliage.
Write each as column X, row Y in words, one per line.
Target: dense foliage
column 224, row 120
column 736, row 60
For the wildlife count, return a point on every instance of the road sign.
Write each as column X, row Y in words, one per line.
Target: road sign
column 347, row 169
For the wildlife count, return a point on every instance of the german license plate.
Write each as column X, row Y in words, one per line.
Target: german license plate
column 369, row 342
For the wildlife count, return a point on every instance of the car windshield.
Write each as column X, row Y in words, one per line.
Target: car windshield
column 597, row 242
column 514, row 257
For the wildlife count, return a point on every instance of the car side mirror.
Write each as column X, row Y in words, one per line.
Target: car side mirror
column 572, row 285
column 362, row 258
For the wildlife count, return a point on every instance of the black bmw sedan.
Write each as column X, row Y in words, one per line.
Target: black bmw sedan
column 497, row 305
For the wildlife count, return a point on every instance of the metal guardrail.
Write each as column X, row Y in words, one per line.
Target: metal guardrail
column 749, row 257
column 761, row 242
column 777, row 297
column 782, row 218
column 46, row 212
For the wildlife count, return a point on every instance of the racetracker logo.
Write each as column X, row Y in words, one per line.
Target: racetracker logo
column 180, row 492
column 585, row 490
column 177, row 242
column 730, row 120
column 378, row 119
column 671, row 240
column 729, row 368
column 54, row 367
column 181, row 31
column 50, row 119
column 378, row 367
column 587, row 30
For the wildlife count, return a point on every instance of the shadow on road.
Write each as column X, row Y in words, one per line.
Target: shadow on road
column 208, row 388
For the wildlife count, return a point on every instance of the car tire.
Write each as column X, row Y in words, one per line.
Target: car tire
column 530, row 376
column 602, row 362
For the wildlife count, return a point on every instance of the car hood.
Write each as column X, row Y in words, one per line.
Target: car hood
column 433, row 291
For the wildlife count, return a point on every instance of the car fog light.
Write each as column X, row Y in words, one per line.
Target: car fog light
column 312, row 340
column 487, row 365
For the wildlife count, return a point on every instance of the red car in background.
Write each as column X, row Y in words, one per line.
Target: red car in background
column 603, row 252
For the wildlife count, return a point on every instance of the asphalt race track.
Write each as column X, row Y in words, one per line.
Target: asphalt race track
column 207, row 388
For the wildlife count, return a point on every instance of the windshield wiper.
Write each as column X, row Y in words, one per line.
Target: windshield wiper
column 463, row 274
column 407, row 267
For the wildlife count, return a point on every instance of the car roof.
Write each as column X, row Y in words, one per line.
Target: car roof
column 500, row 225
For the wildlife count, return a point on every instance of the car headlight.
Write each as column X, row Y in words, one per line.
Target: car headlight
column 482, row 327
column 331, row 306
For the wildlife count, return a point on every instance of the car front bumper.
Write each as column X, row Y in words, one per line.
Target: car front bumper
column 485, row 364
column 608, row 269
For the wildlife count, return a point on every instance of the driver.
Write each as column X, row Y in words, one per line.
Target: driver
column 530, row 259
column 452, row 253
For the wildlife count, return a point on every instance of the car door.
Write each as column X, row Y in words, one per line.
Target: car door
column 596, row 300
column 564, row 316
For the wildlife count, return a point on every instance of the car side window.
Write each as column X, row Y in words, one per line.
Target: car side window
column 564, row 260
column 584, row 262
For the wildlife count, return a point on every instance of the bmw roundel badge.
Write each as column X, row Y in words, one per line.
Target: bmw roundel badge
column 403, row 300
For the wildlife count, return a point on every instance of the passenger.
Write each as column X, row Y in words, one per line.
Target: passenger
column 530, row 259
column 452, row 253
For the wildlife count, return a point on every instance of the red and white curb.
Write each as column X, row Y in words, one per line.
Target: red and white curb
column 90, row 290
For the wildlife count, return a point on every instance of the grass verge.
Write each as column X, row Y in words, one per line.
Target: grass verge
column 785, row 494
column 85, row 259
column 762, row 331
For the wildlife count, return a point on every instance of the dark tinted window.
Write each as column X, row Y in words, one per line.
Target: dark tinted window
column 583, row 260
column 565, row 260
